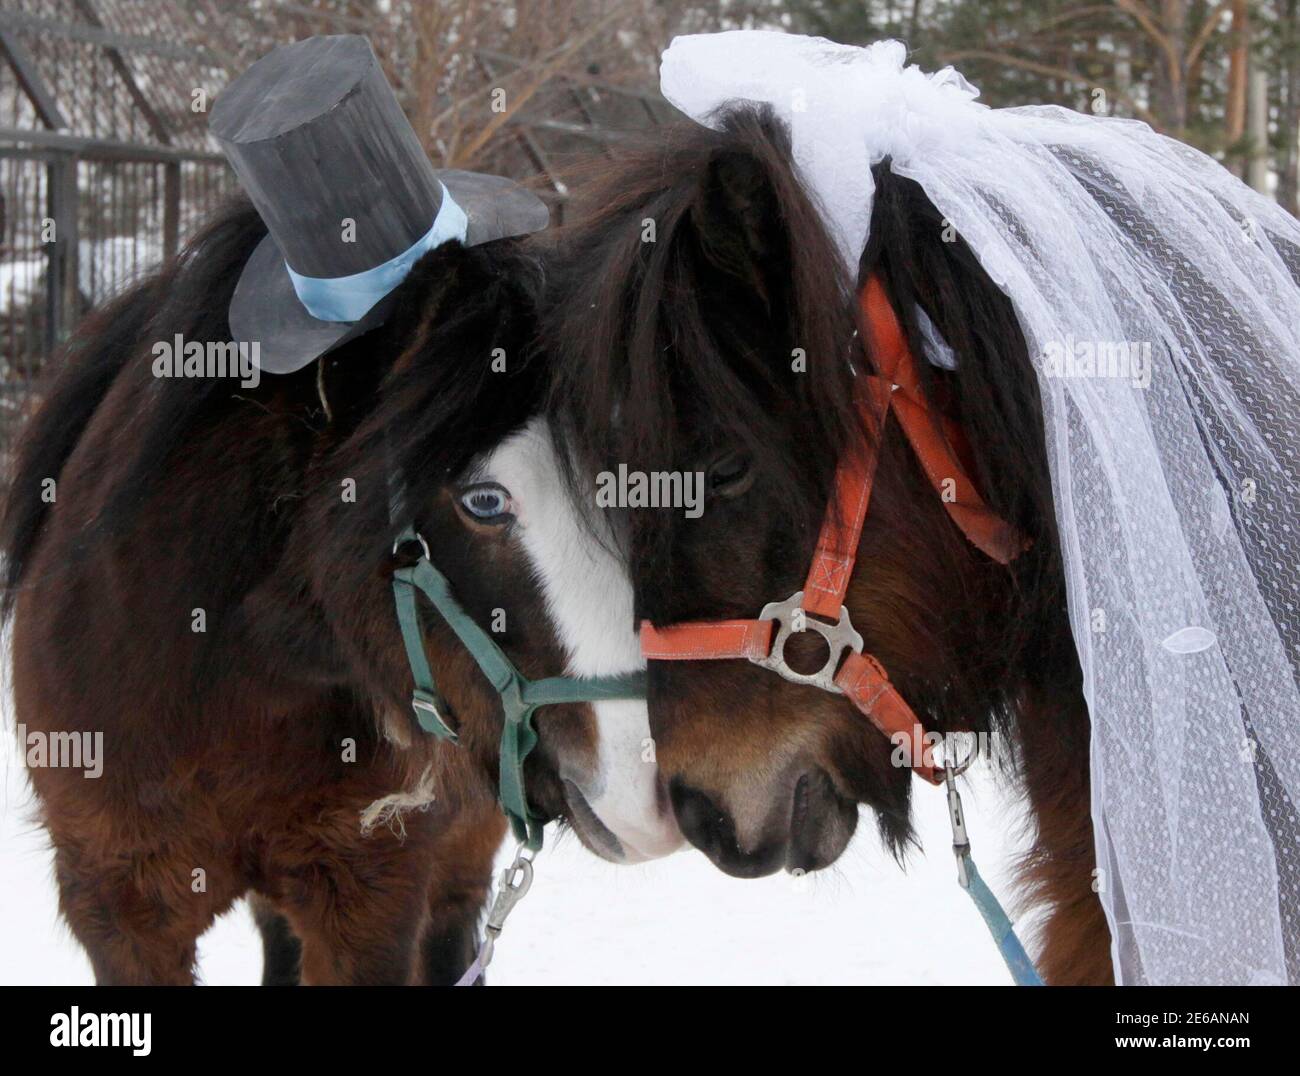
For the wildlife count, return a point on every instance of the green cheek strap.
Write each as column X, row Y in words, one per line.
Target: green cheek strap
column 520, row 697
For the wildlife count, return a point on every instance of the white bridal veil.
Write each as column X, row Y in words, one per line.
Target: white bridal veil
column 1160, row 299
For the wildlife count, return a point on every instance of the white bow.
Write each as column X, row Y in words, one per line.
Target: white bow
column 846, row 108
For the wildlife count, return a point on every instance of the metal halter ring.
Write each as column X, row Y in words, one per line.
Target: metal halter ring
column 839, row 638
column 403, row 539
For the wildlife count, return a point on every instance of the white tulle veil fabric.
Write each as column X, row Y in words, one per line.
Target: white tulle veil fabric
column 1159, row 299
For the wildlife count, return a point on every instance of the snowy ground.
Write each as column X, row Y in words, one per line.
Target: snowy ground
column 676, row 921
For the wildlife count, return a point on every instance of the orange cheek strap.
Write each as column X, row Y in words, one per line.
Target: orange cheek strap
column 864, row 681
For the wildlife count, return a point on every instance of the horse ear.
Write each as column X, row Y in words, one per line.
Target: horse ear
column 765, row 277
column 738, row 222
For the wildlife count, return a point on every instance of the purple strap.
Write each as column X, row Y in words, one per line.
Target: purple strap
column 473, row 972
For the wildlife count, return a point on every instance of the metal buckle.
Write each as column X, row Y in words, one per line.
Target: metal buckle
column 429, row 708
column 416, row 536
column 839, row 638
column 958, row 768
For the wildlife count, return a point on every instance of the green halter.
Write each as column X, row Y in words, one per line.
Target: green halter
column 519, row 695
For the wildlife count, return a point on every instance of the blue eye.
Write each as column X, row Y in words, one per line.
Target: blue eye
column 487, row 502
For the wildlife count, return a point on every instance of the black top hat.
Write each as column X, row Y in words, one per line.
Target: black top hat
column 316, row 136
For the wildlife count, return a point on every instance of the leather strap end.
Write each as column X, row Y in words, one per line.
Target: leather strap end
column 431, row 713
column 864, row 681
column 719, row 639
column 989, row 533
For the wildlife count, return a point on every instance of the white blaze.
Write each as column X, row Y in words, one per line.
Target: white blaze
column 589, row 601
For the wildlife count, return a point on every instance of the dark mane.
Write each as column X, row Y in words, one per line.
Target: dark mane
column 994, row 395
column 186, row 292
column 417, row 393
column 438, row 403
column 696, row 293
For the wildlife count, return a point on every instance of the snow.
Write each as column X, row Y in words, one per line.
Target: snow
column 108, row 266
column 675, row 921
column 104, row 268
column 21, row 281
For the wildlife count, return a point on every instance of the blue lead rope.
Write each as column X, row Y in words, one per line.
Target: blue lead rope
column 1004, row 934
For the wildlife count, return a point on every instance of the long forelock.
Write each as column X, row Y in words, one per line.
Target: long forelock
column 442, row 405
column 647, row 375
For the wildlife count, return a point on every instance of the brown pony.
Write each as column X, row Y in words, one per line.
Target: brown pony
column 198, row 577
column 721, row 339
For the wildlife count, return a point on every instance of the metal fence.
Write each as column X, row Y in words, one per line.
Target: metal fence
column 104, row 170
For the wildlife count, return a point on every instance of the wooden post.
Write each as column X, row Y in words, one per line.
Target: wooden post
column 1238, row 65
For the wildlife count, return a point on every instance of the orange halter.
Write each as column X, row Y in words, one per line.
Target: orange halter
column 860, row 677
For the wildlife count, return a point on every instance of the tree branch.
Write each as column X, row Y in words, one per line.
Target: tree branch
column 541, row 74
column 1050, row 72
column 1206, row 31
column 1143, row 16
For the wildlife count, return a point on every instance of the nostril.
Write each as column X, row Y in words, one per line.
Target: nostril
column 821, row 823
column 701, row 821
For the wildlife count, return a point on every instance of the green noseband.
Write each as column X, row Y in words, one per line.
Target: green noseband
column 520, row 697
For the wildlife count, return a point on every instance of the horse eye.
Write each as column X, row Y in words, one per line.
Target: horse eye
column 487, row 503
column 730, row 475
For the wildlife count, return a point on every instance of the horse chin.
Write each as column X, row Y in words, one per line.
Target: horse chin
column 634, row 845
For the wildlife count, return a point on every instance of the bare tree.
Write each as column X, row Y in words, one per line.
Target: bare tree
column 467, row 69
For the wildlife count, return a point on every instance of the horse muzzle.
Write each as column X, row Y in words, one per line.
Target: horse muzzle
column 622, row 830
column 806, row 828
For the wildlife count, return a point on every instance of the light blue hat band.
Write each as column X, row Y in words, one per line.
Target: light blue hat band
column 349, row 298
